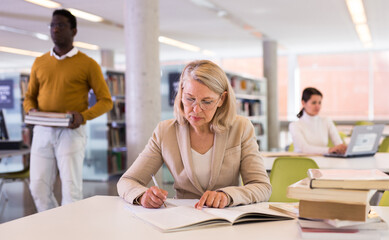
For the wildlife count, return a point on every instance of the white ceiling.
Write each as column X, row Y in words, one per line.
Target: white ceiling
column 299, row 26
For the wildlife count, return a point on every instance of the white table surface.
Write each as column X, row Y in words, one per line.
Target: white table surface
column 105, row 217
column 379, row 161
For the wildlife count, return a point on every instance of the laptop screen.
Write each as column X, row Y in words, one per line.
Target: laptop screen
column 365, row 139
column 365, row 142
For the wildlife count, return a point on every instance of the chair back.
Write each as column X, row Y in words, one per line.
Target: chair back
column 384, row 199
column 291, row 148
column 286, row 171
column 384, row 147
column 359, row 123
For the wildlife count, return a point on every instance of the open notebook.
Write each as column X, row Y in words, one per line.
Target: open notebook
column 181, row 215
column 364, row 142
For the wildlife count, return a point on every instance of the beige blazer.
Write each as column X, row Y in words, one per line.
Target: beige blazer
column 235, row 153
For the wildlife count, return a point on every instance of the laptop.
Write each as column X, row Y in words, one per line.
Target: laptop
column 364, row 142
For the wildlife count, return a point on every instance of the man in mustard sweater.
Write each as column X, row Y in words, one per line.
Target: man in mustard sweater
column 60, row 81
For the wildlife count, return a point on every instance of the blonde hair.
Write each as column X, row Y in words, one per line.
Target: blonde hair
column 212, row 76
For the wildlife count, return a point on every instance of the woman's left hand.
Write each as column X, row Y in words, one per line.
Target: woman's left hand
column 212, row 199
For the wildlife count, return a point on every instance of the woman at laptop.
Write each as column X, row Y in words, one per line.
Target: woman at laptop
column 311, row 133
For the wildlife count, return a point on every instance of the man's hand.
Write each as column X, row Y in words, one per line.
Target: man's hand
column 77, row 120
column 33, row 110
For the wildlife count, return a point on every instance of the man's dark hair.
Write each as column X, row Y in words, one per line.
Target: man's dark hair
column 68, row 15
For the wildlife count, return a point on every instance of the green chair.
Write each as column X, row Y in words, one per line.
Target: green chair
column 286, row 171
column 22, row 175
column 384, row 147
column 384, row 199
column 291, row 148
column 359, row 123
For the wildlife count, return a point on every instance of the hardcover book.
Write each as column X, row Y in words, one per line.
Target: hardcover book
column 301, row 190
column 348, row 179
column 49, row 119
column 333, row 210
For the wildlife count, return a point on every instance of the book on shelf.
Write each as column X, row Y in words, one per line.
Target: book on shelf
column 23, row 84
column 49, row 119
column 186, row 217
column 348, row 179
column 333, row 210
column 301, row 190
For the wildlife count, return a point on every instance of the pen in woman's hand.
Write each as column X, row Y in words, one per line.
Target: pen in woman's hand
column 156, row 184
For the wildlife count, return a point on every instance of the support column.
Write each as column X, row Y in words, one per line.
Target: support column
column 270, row 72
column 143, row 97
column 293, row 87
column 107, row 58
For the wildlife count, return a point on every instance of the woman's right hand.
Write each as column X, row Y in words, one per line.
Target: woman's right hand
column 339, row 149
column 154, row 197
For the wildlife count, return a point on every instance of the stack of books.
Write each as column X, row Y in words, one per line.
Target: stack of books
column 51, row 119
column 336, row 201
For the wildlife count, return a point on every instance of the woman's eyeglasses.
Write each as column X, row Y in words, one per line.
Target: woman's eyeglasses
column 204, row 104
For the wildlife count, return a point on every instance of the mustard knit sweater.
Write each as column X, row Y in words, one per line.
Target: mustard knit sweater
column 63, row 85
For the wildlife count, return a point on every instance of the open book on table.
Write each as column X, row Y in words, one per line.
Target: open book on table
column 183, row 216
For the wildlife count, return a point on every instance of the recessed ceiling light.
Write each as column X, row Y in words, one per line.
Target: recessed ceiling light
column 357, row 11
column 358, row 16
column 178, row 44
column 40, row 36
column 45, row 3
column 20, row 51
column 85, row 15
column 363, row 32
column 86, row 45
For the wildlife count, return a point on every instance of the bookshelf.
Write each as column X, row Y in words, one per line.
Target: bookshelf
column 251, row 100
column 106, row 151
column 27, row 130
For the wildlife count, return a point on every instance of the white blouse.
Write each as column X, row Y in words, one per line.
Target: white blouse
column 202, row 166
column 310, row 134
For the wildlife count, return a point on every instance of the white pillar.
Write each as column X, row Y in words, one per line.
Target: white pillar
column 270, row 72
column 107, row 58
column 143, row 97
column 293, row 87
